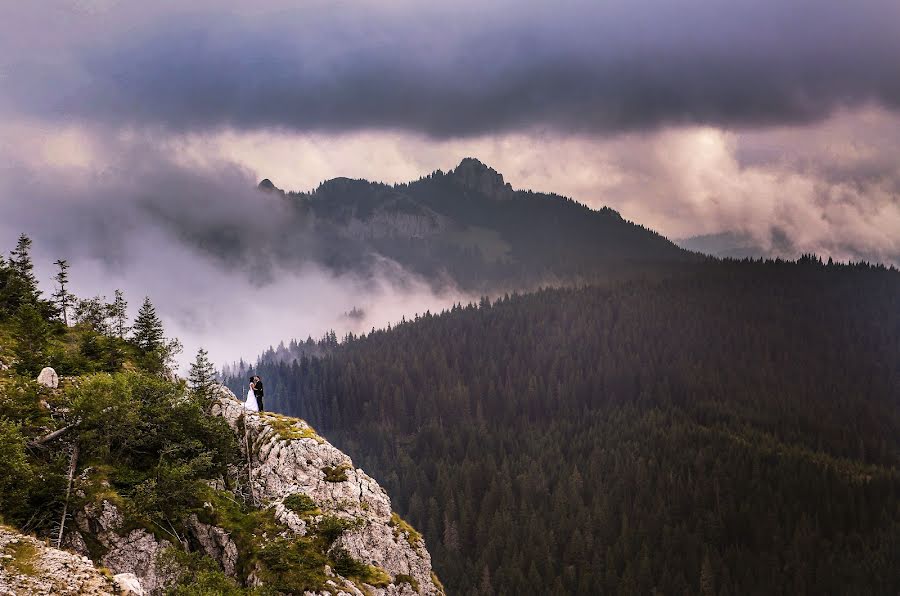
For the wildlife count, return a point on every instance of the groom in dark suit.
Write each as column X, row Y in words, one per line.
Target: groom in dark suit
column 258, row 392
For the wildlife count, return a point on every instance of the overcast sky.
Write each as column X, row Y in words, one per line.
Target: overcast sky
column 123, row 125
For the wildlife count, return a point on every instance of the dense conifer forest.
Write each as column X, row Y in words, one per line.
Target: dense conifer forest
column 730, row 430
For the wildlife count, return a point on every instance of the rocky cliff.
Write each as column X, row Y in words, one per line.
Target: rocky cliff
column 28, row 566
column 297, row 516
column 304, row 479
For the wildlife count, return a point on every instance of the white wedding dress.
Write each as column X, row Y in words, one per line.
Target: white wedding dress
column 250, row 402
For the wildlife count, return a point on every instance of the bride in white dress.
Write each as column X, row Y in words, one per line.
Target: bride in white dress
column 250, row 403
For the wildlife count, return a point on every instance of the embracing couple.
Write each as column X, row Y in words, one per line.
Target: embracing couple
column 254, row 401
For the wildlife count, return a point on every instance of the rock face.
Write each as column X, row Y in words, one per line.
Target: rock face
column 27, row 566
column 476, row 176
column 386, row 224
column 288, row 458
column 129, row 584
column 48, row 378
column 216, row 543
column 130, row 552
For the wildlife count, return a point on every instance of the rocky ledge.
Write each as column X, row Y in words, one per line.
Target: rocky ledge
column 304, row 480
column 28, row 566
column 297, row 517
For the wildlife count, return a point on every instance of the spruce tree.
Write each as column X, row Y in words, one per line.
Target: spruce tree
column 202, row 375
column 62, row 297
column 32, row 337
column 148, row 328
column 118, row 311
column 19, row 284
column 93, row 312
column 20, row 261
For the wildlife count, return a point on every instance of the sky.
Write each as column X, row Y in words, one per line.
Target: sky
column 132, row 134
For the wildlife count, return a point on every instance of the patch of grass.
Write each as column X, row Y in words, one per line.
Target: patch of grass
column 336, row 474
column 402, row 528
column 437, row 583
column 402, row 578
column 24, row 558
column 249, row 528
column 285, row 563
column 105, row 572
column 359, row 572
column 290, row 429
column 301, row 504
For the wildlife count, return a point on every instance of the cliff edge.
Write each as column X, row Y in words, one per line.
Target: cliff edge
column 295, row 517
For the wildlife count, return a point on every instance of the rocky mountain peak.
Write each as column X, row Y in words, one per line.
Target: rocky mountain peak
column 475, row 175
column 267, row 186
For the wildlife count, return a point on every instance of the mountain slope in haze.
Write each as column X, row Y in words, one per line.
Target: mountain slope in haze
column 734, row 430
column 732, row 245
column 740, row 245
column 471, row 228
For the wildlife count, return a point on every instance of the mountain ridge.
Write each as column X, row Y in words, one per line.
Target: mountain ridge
column 470, row 226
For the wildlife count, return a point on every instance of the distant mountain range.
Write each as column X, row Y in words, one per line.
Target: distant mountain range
column 735, row 245
column 741, row 245
column 470, row 228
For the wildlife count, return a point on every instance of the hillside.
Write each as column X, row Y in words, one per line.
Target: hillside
column 735, row 430
column 469, row 227
column 110, row 457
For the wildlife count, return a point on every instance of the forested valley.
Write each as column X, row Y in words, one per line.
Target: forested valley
column 733, row 429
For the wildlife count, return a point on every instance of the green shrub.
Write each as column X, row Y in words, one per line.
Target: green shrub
column 15, row 473
column 32, row 334
column 330, row 528
column 336, row 474
column 197, row 575
column 403, row 529
column 294, row 566
column 300, row 503
column 344, row 564
column 160, row 444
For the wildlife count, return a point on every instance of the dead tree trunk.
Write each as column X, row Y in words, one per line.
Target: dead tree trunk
column 249, row 461
column 73, row 463
column 54, row 435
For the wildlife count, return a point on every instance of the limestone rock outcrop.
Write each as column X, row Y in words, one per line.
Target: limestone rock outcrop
column 472, row 174
column 28, row 566
column 293, row 491
column 295, row 488
column 134, row 551
column 48, row 378
column 129, row 584
column 288, row 459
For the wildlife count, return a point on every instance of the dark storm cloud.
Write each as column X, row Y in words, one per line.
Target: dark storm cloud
column 471, row 68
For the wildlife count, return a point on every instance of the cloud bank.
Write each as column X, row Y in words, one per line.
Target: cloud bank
column 227, row 266
column 466, row 69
